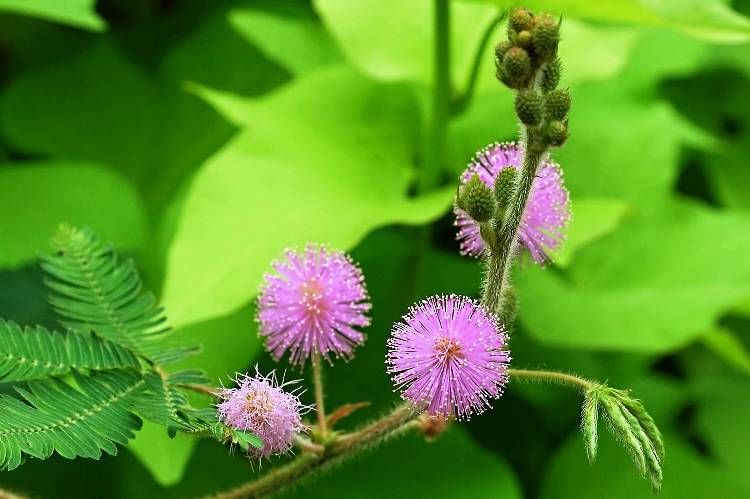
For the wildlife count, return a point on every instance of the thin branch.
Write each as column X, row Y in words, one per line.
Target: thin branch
column 552, row 377
column 205, row 390
column 400, row 420
column 317, row 374
column 462, row 101
column 308, row 446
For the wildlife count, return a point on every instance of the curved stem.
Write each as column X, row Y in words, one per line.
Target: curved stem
column 432, row 154
column 462, row 101
column 317, row 373
column 400, row 420
column 552, row 377
column 441, row 97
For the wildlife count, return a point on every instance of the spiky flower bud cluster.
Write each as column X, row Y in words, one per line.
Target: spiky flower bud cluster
column 477, row 200
column 504, row 186
column 527, row 62
column 532, row 43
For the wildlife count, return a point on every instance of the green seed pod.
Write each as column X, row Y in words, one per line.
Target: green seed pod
column 520, row 19
column 517, row 65
column 478, row 200
column 529, row 107
column 551, row 75
column 557, row 104
column 504, row 186
column 557, row 132
column 545, row 37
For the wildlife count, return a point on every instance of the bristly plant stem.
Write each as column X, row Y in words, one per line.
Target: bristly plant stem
column 402, row 419
column 553, row 377
column 500, row 264
column 461, row 102
column 316, row 457
column 317, row 374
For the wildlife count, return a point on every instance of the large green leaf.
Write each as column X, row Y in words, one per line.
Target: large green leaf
column 76, row 193
column 473, row 472
column 78, row 13
column 295, row 40
column 651, row 286
column 593, row 219
column 722, row 419
column 99, row 106
column 228, row 344
column 393, row 39
column 34, row 353
column 163, row 456
column 686, row 474
column 327, row 158
column 709, row 19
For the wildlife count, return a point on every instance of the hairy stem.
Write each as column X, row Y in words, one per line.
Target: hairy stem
column 203, row 389
column 552, row 377
column 317, row 373
column 462, row 101
column 400, row 420
column 501, row 262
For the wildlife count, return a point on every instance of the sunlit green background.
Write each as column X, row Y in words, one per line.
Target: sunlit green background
column 203, row 137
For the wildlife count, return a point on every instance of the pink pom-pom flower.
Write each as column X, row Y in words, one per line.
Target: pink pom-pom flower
column 312, row 305
column 448, row 356
column 262, row 406
column 547, row 211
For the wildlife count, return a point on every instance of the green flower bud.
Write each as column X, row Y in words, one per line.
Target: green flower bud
column 546, row 37
column 556, row 132
column 551, row 75
column 504, row 186
column 517, row 65
column 500, row 50
column 529, row 107
column 477, row 200
column 520, row 19
column 557, row 104
column 523, row 39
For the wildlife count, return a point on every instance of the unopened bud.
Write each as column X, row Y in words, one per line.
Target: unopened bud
column 500, row 50
column 529, row 107
column 546, row 36
column 520, row 19
column 557, row 104
column 477, row 200
column 517, row 65
column 523, row 39
column 504, row 186
column 557, row 132
column 551, row 75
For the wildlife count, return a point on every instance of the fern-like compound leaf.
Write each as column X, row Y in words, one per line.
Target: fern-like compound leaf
column 34, row 353
column 163, row 401
column 93, row 290
column 53, row 416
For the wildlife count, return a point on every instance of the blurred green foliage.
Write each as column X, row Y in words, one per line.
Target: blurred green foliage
column 204, row 137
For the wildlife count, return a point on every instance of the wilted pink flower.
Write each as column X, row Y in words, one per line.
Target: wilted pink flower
column 547, row 210
column 312, row 304
column 449, row 356
column 261, row 406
